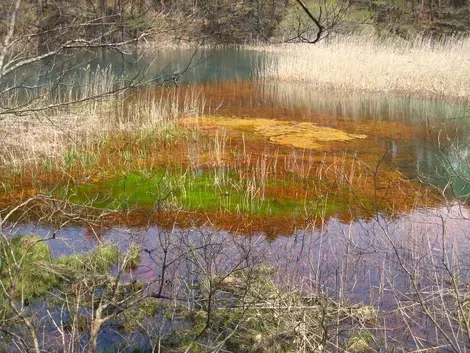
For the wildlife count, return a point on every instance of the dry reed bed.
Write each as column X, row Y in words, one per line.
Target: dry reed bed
column 422, row 67
column 52, row 134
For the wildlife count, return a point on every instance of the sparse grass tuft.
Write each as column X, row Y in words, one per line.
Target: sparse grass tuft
column 132, row 256
column 359, row 343
column 133, row 319
column 100, row 259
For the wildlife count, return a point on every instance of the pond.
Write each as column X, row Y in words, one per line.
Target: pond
column 353, row 214
column 229, row 81
column 355, row 262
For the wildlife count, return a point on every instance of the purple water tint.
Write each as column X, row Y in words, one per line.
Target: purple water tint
column 345, row 260
column 366, row 261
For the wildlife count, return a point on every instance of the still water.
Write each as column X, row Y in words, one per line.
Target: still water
column 231, row 81
column 357, row 260
column 232, row 85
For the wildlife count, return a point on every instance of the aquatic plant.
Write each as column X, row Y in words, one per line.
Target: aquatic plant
column 99, row 260
column 28, row 280
column 291, row 133
column 134, row 318
column 359, row 343
column 146, row 159
column 419, row 67
column 132, row 256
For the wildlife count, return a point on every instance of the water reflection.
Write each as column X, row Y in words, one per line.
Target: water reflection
column 417, row 134
column 358, row 261
column 378, row 262
column 363, row 251
column 366, row 105
column 178, row 65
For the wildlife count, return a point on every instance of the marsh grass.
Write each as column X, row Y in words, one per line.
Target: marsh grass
column 253, row 312
column 221, row 170
column 99, row 260
column 36, row 274
column 298, row 184
column 366, row 63
column 152, row 148
column 30, row 252
column 58, row 135
column 133, row 152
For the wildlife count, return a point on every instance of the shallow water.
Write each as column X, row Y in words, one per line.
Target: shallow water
column 369, row 244
column 355, row 260
column 359, row 261
column 229, row 81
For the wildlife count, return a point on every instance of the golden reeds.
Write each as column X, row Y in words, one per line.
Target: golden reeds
column 420, row 67
column 52, row 133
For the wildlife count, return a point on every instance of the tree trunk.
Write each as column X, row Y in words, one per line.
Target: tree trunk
column 103, row 13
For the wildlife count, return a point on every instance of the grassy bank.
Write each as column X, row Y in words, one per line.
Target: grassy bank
column 366, row 63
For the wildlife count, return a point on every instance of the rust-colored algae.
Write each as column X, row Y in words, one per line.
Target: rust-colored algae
column 331, row 166
column 360, row 188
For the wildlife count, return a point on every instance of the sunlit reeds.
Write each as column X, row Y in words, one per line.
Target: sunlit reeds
column 420, row 67
column 91, row 117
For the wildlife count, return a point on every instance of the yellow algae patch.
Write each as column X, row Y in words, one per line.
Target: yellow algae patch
column 290, row 133
column 234, row 123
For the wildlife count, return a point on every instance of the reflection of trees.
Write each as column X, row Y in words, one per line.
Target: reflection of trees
column 62, row 31
column 377, row 106
column 212, row 289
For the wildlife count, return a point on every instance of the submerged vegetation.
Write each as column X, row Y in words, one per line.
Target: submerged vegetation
column 152, row 158
column 296, row 134
column 243, row 310
column 226, row 166
column 255, row 213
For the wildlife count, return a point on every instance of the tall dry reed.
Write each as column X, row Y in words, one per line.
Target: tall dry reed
column 48, row 134
column 420, row 67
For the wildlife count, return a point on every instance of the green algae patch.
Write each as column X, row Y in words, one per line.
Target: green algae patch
column 290, row 133
column 208, row 190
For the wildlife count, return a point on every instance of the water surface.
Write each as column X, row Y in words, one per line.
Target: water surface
column 357, row 260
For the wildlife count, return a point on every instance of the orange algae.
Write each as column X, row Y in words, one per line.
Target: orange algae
column 290, row 133
column 356, row 185
column 360, row 189
column 309, row 175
